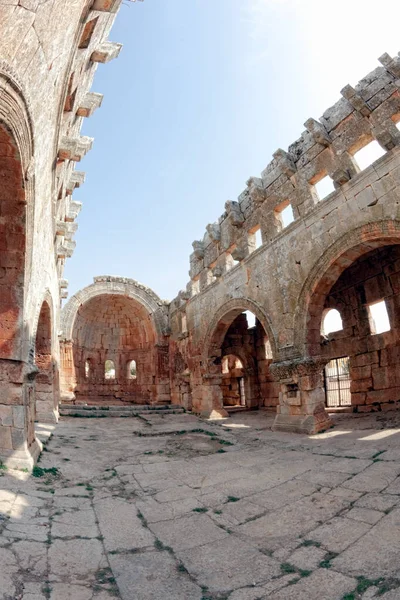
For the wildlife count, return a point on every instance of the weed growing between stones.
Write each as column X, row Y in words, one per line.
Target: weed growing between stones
column 232, row 499
column 307, row 543
column 106, row 577
column 326, row 563
column 288, row 568
column 383, row 585
column 46, row 589
column 40, row 472
column 200, row 509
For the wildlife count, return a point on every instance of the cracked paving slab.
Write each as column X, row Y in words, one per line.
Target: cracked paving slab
column 179, row 508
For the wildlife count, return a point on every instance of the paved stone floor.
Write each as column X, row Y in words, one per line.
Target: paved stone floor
column 175, row 508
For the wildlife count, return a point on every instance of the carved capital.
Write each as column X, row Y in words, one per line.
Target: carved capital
column 290, row 369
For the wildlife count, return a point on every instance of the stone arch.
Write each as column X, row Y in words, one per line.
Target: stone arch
column 259, row 385
column 115, row 319
column 46, row 397
column 121, row 286
column 16, row 221
column 338, row 257
column 223, row 319
column 18, row 445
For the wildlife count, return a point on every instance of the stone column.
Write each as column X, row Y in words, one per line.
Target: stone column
column 207, row 397
column 302, row 396
column 162, row 391
column 19, row 447
column 67, row 376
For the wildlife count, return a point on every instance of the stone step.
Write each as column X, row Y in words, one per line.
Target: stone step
column 117, row 411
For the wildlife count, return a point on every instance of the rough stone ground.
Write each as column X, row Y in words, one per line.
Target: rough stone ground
column 148, row 509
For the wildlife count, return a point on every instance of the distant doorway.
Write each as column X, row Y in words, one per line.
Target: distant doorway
column 337, row 382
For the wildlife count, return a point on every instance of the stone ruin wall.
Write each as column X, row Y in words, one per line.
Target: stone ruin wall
column 50, row 52
column 279, row 280
column 116, row 319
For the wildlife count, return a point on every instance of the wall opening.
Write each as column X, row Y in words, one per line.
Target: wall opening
column 132, row 369
column 378, row 317
column 367, row 295
column 283, row 215
column 331, row 322
column 183, row 324
column 338, row 382
column 87, row 369
column 109, row 369
column 87, row 33
column 323, row 187
column 241, row 347
column 368, row 154
column 44, row 383
column 254, row 239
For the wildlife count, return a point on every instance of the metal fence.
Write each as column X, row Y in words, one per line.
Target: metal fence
column 337, row 382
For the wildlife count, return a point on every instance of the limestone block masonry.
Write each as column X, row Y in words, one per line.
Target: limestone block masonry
column 339, row 250
column 299, row 271
column 48, row 60
column 119, row 341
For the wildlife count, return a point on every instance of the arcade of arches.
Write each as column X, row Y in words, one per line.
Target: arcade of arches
column 116, row 341
column 114, row 354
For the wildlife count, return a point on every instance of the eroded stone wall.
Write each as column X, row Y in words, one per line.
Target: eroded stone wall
column 285, row 280
column 375, row 379
column 116, row 320
column 49, row 53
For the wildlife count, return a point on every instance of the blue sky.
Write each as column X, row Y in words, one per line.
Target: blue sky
column 203, row 93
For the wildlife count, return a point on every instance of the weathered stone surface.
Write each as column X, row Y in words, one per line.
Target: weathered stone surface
column 339, row 533
column 188, row 532
column 376, row 552
column 322, row 583
column 72, row 560
column 120, row 525
column 153, row 576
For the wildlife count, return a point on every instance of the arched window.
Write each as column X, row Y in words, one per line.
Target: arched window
column 87, row 369
column 109, row 369
column 229, row 362
column 132, row 369
column 332, row 321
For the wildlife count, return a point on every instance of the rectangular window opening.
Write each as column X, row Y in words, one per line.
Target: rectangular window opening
column 258, row 238
column 284, row 215
column 195, row 287
column 183, row 324
column 255, row 239
column 210, row 277
column 368, row 154
column 378, row 317
column 87, row 33
column 324, row 187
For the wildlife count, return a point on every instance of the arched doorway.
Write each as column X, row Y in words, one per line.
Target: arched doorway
column 18, row 445
column 233, row 382
column 364, row 354
column 45, row 394
column 357, row 272
column 239, row 347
